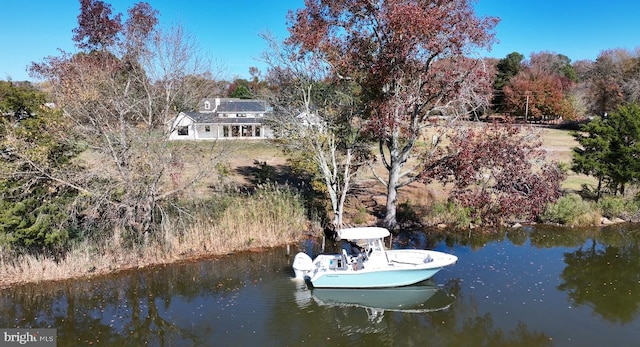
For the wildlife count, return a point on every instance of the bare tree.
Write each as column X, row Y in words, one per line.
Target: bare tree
column 118, row 99
column 314, row 117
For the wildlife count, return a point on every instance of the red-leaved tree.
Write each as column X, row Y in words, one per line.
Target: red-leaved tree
column 408, row 57
column 499, row 173
column 536, row 95
column 541, row 89
column 97, row 29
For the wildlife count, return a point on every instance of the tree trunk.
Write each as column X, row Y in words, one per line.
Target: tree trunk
column 390, row 221
column 337, row 219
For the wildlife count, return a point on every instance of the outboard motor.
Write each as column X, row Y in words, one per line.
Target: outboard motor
column 302, row 264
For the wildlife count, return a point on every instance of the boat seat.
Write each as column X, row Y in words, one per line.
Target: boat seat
column 346, row 259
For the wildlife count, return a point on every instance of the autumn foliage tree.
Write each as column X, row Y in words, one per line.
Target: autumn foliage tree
column 97, row 27
column 117, row 94
column 540, row 89
column 498, row 173
column 607, row 80
column 408, row 57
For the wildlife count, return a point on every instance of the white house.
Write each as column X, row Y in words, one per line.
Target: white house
column 222, row 118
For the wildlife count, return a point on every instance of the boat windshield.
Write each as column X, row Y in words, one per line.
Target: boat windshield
column 375, row 245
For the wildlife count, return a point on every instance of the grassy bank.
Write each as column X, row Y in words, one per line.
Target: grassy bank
column 271, row 216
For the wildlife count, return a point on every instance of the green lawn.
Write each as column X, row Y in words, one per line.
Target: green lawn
column 559, row 145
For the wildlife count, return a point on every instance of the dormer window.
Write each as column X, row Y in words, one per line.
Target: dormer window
column 207, row 105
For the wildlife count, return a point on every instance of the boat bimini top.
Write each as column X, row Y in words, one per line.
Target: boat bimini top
column 363, row 233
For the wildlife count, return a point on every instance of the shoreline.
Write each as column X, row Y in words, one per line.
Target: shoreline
column 71, row 268
column 119, row 267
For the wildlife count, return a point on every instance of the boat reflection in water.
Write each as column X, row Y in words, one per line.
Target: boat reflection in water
column 422, row 297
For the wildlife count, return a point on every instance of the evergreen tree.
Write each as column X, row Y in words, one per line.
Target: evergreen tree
column 507, row 68
column 623, row 156
column 240, row 89
column 610, row 149
column 19, row 99
column 241, row 92
column 36, row 211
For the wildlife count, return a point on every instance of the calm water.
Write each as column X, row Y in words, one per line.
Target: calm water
column 534, row 287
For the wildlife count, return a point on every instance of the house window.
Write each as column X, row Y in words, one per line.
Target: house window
column 183, row 131
column 235, row 131
column 225, row 131
column 257, row 130
column 246, row 131
column 207, row 129
column 207, row 105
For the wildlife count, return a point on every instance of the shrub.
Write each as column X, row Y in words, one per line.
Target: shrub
column 620, row 207
column 264, row 173
column 612, row 206
column 451, row 213
column 361, row 216
column 571, row 210
column 406, row 212
column 223, row 169
column 590, row 218
column 481, row 164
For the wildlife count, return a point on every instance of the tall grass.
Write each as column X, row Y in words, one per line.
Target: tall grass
column 271, row 216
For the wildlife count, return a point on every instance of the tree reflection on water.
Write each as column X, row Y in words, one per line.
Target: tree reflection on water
column 604, row 274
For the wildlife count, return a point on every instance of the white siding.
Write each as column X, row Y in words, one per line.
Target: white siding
column 181, row 121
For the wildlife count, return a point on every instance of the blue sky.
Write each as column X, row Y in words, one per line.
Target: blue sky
column 227, row 31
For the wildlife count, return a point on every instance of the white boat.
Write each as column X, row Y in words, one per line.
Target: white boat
column 373, row 267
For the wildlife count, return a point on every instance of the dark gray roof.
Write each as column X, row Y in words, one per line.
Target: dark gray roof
column 201, row 117
column 241, row 106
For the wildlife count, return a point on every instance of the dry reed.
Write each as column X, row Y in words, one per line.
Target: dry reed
column 271, row 217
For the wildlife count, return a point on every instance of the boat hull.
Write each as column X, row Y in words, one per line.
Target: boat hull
column 372, row 279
